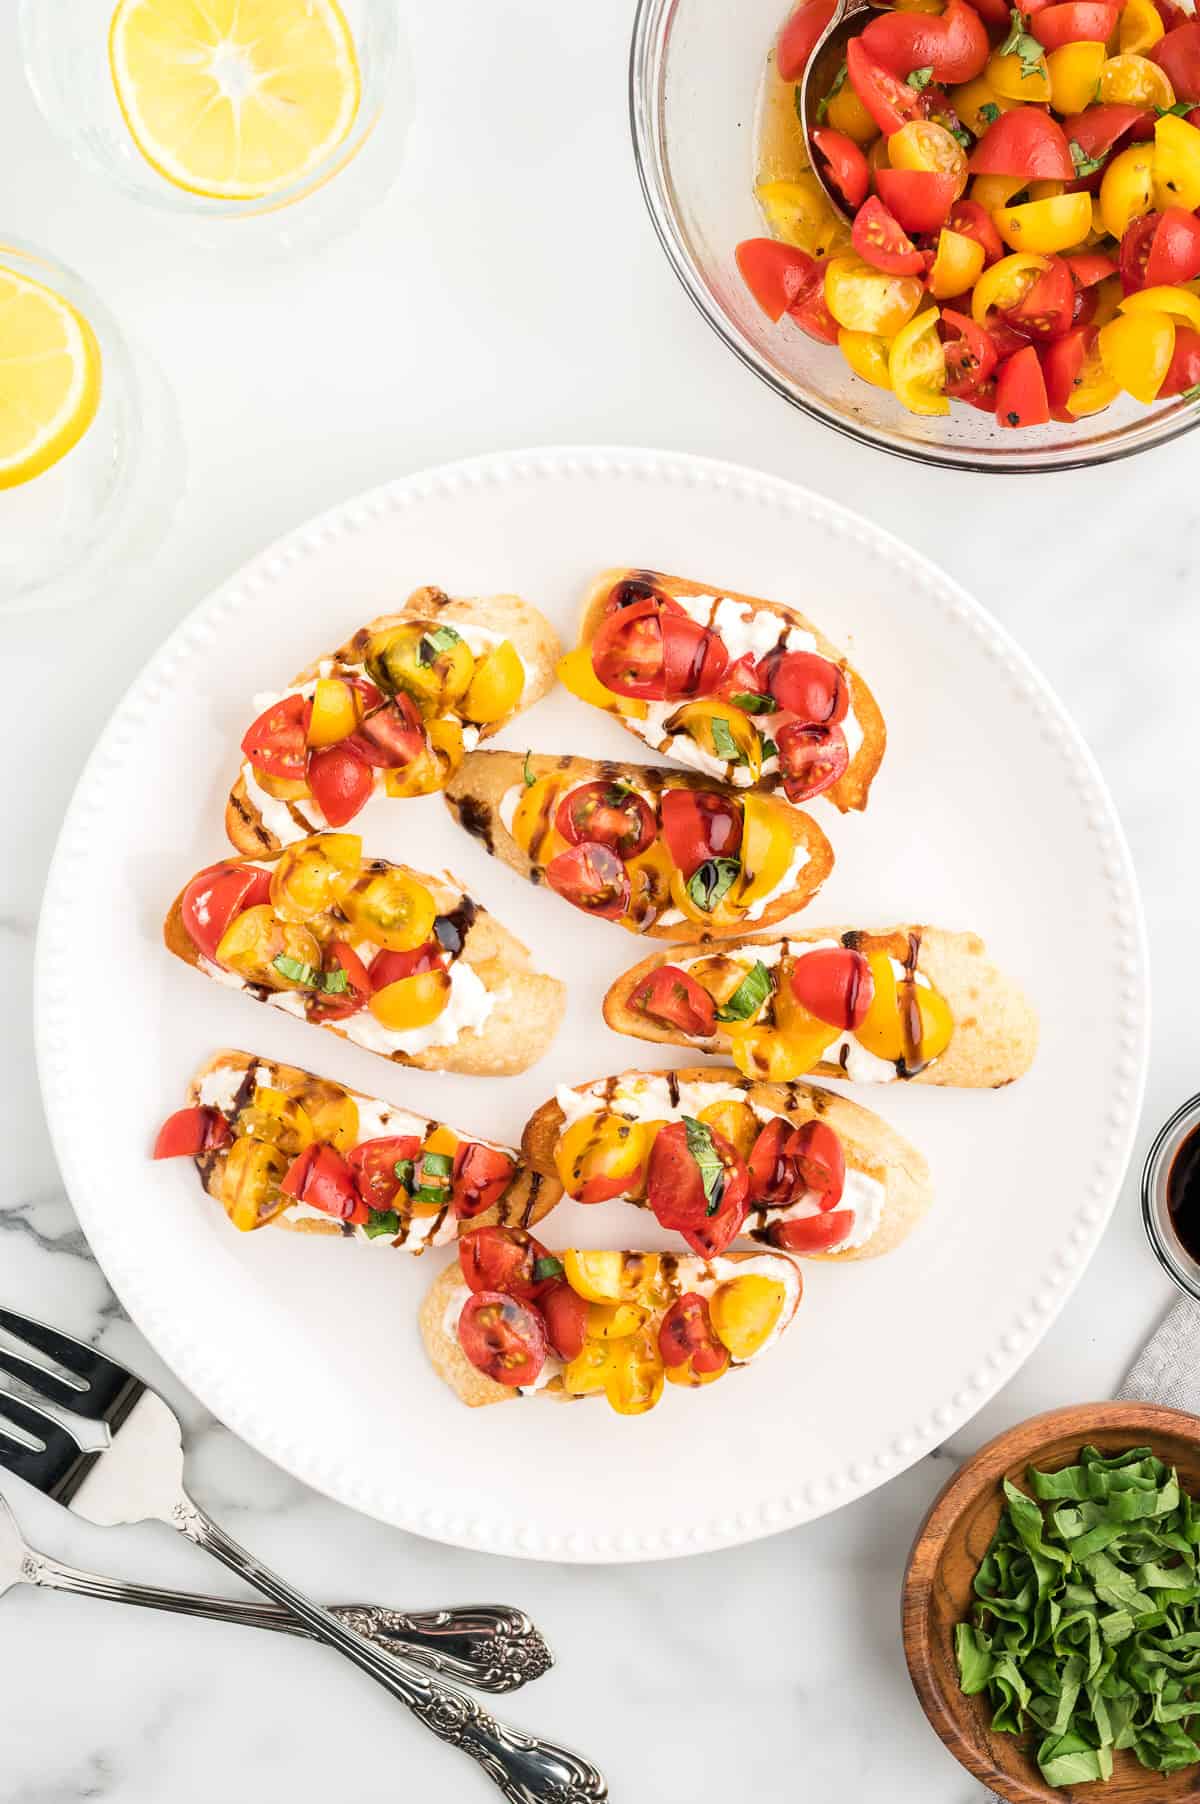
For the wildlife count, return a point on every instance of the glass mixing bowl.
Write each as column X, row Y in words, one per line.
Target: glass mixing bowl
column 695, row 71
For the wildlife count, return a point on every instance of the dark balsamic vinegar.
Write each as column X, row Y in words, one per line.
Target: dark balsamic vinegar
column 1183, row 1193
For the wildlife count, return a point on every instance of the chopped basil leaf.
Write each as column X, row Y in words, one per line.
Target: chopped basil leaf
column 823, row 103
column 989, row 112
column 296, row 971
column 1181, row 109
column 1084, row 165
column 703, row 1149
column 1190, row 394
column 960, row 134
column 382, row 1221
column 335, row 983
column 769, row 749
column 754, row 704
column 749, row 996
column 436, row 1197
column 433, row 644
column 714, row 879
column 724, row 743
column 546, row 1268
column 1020, row 42
column 530, row 779
column 919, row 78
column 436, row 1165
column 403, row 1169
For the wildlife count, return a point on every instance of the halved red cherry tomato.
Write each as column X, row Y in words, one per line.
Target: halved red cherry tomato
column 373, row 1164
column 479, row 1177
column 608, row 814
column 339, row 1004
column 1006, row 340
column 321, row 1178
column 1021, row 391
column 675, row 1188
column 699, row 824
column 813, row 1233
column 808, row 686
column 593, row 878
column 565, row 1314
column 881, row 240
column 774, row 1179
column 835, row 984
column 744, row 678
column 1183, row 371
column 969, row 351
column 1089, row 267
column 657, row 654
column 1179, row 55
column 1098, row 128
column 1136, row 241
column 971, row 220
column 1024, row 142
column 189, row 1132
column 1076, row 22
column 392, row 737
column 212, row 899
column 955, row 45
column 1175, row 250
column 777, row 275
column 795, row 43
column 811, row 759
column 845, row 165
column 1062, row 362
column 694, row 659
column 391, row 967
column 277, row 742
column 787, row 1163
column 920, row 199
column 503, row 1259
column 341, row 783
column 812, row 314
column 1047, row 308
column 673, row 998
column 820, row 1160
column 891, row 103
column 502, row 1338
column 686, row 1337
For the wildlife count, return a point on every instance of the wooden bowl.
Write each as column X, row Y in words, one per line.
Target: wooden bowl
column 938, row 1593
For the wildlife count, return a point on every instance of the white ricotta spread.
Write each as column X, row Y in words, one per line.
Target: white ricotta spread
column 276, row 816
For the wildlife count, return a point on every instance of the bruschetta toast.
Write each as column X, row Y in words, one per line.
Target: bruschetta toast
column 390, row 712
column 717, row 1156
column 659, row 852
column 401, row 963
column 912, row 1003
column 277, row 1145
column 741, row 689
column 513, row 1319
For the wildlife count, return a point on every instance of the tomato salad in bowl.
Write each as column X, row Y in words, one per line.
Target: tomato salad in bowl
column 1020, row 186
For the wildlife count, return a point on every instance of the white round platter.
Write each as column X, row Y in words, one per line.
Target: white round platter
column 988, row 813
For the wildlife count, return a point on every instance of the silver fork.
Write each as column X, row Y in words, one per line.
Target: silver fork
column 137, row 1476
column 490, row 1647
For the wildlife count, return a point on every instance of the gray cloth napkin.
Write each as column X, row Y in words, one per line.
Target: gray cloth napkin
column 1166, row 1371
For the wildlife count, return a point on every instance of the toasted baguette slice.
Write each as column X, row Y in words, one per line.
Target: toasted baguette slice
column 888, row 1185
column 673, row 1276
column 228, row 1082
column 483, row 792
column 763, row 623
column 525, row 1012
column 995, row 1031
column 508, row 616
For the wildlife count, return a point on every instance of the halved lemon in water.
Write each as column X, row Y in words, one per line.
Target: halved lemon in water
column 49, row 377
column 234, row 98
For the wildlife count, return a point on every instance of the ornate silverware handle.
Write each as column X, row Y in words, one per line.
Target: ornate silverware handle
column 526, row 1770
column 489, row 1646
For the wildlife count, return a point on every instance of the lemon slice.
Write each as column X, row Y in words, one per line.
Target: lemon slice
column 49, row 378
column 234, row 98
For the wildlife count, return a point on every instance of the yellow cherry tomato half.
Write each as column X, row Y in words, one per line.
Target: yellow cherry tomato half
column 495, row 689
column 275, row 1116
column 1127, row 188
column 799, row 213
column 250, row 1180
column 736, row 1121
column 1136, row 350
column 1135, row 81
column 1004, row 284
column 422, row 776
column 768, row 847
column 883, row 1030
column 923, row 144
column 614, row 1321
column 257, row 938
column 846, row 113
column 1176, row 163
column 917, row 365
column 1179, row 303
column 310, row 876
column 427, row 659
column 970, row 99
column 1094, row 389
column 1139, row 27
column 745, row 1313
column 445, row 736
column 695, row 720
column 575, row 672
column 634, row 1378
column 411, row 1001
column 601, row 1156
column 1017, row 79
column 992, row 191
column 603, row 1277
column 390, row 908
column 866, row 300
column 1074, row 71
column 332, row 1111
column 1046, row 226
column 957, row 265
column 335, row 711
column 867, row 355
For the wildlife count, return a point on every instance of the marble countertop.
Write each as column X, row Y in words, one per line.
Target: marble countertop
column 510, row 292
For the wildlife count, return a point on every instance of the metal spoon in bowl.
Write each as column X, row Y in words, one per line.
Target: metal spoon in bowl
column 820, row 72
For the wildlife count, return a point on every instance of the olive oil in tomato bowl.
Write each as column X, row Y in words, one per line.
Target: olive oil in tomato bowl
column 696, row 77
